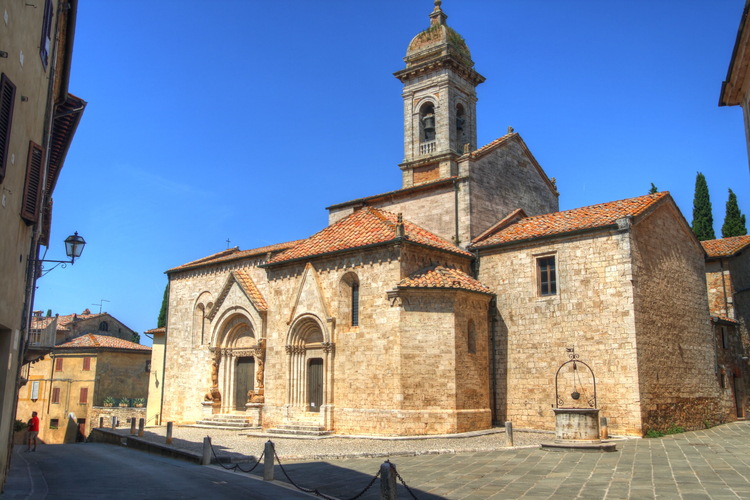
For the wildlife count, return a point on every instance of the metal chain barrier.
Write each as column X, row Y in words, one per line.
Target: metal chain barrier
column 401, row 480
column 314, row 491
column 235, row 466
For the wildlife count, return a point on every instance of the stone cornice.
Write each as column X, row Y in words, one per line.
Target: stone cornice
column 443, row 62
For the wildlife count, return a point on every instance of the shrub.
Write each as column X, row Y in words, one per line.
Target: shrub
column 653, row 433
column 19, row 425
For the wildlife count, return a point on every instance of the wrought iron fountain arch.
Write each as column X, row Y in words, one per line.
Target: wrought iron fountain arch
column 574, row 358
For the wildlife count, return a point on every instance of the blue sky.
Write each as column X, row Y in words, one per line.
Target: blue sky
column 243, row 120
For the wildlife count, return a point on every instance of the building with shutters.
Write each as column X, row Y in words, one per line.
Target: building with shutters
column 68, row 387
column 447, row 305
column 38, row 118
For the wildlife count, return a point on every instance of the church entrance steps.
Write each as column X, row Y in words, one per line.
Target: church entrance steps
column 299, row 429
column 226, row 421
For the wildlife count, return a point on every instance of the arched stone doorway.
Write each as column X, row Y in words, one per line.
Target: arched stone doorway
column 310, row 353
column 238, row 361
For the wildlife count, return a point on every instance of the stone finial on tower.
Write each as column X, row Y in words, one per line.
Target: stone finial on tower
column 437, row 16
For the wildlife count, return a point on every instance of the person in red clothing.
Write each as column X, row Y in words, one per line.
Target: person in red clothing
column 33, row 432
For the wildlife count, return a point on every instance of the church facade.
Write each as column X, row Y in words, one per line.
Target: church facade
column 448, row 305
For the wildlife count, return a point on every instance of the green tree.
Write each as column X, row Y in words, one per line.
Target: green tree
column 162, row 321
column 136, row 337
column 734, row 220
column 703, row 220
column 49, row 313
column 653, row 189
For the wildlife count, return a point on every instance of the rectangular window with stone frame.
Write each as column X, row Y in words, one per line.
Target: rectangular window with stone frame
column 546, row 276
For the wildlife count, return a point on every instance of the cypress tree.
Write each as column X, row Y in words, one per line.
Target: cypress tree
column 734, row 220
column 653, row 189
column 162, row 321
column 703, row 220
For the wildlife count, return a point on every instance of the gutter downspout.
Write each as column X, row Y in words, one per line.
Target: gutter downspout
column 455, row 210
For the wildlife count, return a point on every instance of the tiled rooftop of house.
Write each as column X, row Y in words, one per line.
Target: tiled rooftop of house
column 92, row 340
column 156, row 331
column 235, row 254
column 365, row 227
column 522, row 228
column 725, row 247
column 437, row 276
column 39, row 322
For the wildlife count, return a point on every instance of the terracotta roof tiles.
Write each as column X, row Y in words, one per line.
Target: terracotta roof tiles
column 365, row 227
column 442, row 277
column 725, row 247
column 251, row 290
column 568, row 221
column 92, row 340
column 234, row 254
column 63, row 322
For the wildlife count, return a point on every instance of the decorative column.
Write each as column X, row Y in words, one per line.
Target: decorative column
column 329, row 351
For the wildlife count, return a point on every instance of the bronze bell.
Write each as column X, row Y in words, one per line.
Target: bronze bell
column 428, row 123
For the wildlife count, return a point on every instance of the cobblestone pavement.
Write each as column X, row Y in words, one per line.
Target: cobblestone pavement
column 707, row 464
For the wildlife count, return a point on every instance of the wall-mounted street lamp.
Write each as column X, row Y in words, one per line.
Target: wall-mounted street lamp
column 73, row 248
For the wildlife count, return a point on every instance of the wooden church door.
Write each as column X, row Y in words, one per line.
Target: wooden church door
column 244, row 381
column 315, row 384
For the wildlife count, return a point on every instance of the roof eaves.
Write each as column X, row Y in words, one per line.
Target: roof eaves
column 397, row 192
column 545, row 237
column 326, row 254
column 444, row 288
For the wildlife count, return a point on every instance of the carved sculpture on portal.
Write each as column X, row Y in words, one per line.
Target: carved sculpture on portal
column 213, row 393
column 259, row 352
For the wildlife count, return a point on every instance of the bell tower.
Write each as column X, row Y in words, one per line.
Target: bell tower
column 440, row 100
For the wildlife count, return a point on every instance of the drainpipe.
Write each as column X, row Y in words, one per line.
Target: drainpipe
column 455, row 209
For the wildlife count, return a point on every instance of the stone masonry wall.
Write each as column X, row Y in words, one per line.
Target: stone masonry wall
column 676, row 355
column 365, row 362
column 432, row 209
column 720, row 290
column 188, row 363
column 505, row 180
column 591, row 313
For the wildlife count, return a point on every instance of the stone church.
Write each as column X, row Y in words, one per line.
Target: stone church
column 449, row 304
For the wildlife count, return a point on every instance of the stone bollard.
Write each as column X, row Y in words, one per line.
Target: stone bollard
column 169, row 432
column 206, row 459
column 508, row 433
column 268, row 460
column 388, row 481
column 603, row 428
column 132, row 427
column 141, row 425
column 101, row 422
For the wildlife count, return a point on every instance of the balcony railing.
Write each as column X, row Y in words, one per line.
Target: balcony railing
column 426, row 148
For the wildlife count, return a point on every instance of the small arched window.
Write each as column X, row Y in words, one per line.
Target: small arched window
column 103, row 326
column 355, row 304
column 471, row 340
column 460, row 126
column 349, row 299
column 199, row 320
column 427, row 122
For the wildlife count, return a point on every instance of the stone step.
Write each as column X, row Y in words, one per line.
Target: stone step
column 299, row 430
column 228, row 423
column 227, row 418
